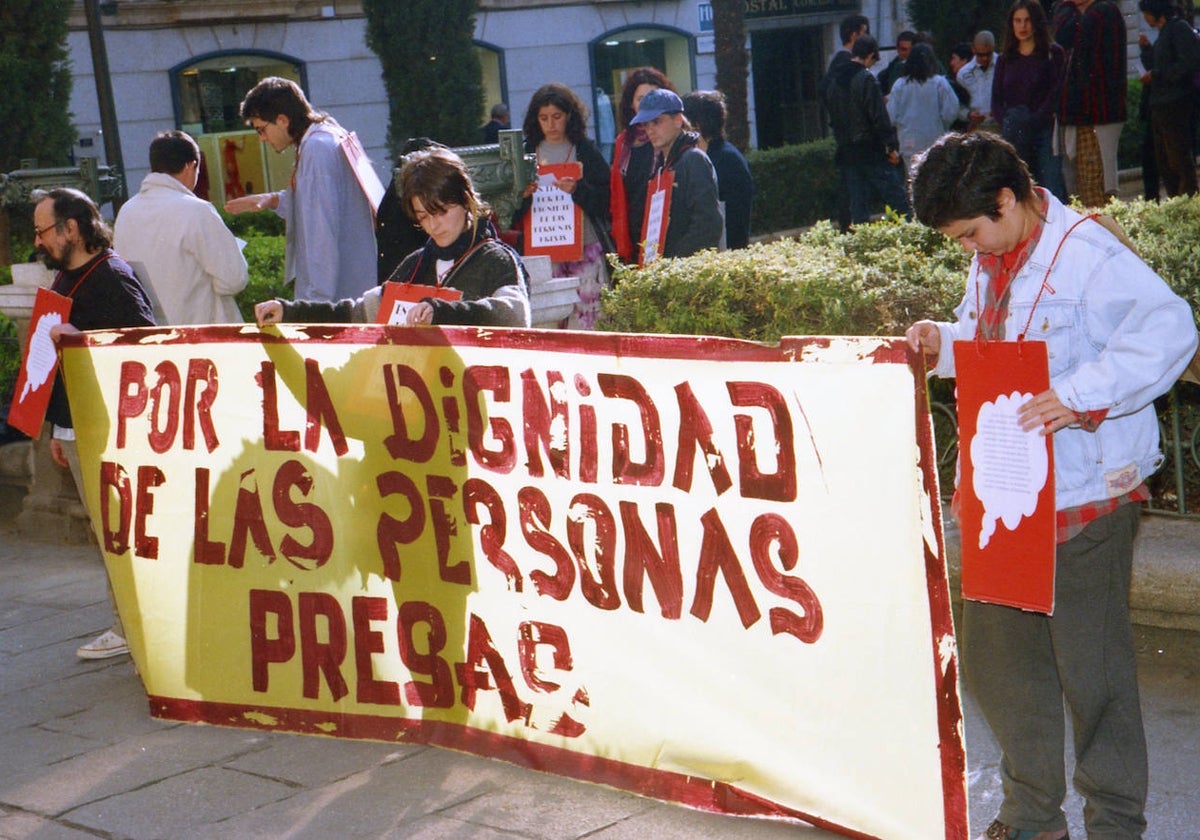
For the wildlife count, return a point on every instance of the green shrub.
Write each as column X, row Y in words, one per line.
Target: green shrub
column 873, row 281
column 10, row 357
column 1129, row 147
column 794, row 186
column 264, row 258
column 247, row 225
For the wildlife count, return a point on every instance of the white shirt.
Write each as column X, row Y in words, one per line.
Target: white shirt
column 978, row 81
column 193, row 264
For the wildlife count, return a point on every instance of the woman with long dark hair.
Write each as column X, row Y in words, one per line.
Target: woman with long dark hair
column 922, row 105
column 556, row 131
column 1025, row 92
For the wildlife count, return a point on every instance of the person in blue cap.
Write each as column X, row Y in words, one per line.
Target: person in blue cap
column 694, row 218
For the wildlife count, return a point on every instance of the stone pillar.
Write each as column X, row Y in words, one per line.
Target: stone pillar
column 51, row 509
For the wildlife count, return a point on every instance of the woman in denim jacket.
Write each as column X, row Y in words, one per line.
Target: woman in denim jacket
column 1117, row 338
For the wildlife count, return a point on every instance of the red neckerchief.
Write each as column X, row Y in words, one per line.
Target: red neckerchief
column 999, row 272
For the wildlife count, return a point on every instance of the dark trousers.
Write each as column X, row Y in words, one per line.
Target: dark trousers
column 1171, row 125
column 1022, row 666
column 862, row 180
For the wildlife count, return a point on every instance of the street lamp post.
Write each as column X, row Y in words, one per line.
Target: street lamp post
column 104, row 97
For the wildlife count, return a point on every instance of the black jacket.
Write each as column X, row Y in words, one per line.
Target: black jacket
column 1172, row 59
column 860, row 123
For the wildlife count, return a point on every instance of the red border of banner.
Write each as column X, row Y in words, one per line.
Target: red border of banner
column 698, row 793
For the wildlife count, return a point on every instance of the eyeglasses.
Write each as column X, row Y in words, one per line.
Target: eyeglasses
column 261, row 130
column 983, row 54
column 39, row 232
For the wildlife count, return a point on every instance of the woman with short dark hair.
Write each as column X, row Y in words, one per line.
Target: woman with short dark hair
column 463, row 253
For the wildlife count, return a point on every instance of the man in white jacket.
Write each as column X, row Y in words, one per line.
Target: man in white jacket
column 193, row 264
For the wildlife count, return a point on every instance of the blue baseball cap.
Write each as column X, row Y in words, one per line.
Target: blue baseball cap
column 656, row 103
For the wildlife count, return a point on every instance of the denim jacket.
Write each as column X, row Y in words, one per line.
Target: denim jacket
column 1118, row 337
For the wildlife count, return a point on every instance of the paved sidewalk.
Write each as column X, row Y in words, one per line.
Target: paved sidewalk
column 82, row 758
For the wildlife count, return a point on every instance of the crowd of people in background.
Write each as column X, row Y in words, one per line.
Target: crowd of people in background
column 1055, row 89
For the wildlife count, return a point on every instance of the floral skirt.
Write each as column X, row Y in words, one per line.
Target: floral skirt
column 592, row 272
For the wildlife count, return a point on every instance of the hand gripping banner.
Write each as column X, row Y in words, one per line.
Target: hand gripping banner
column 703, row 570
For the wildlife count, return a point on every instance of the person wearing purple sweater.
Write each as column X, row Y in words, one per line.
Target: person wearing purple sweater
column 1025, row 92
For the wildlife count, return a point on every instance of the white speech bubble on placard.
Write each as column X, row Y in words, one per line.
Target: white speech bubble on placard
column 39, row 363
column 1010, row 465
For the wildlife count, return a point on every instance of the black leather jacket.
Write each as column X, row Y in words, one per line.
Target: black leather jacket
column 860, row 123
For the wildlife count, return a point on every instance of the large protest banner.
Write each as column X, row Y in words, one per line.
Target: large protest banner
column 703, row 570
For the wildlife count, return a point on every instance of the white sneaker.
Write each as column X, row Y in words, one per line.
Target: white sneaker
column 103, row 646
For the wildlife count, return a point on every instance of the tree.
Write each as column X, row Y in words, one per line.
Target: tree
column 729, row 45
column 952, row 21
column 431, row 70
column 35, row 75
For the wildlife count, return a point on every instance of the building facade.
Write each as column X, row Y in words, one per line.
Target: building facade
column 187, row 63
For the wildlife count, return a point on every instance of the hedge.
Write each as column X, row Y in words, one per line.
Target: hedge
column 874, row 280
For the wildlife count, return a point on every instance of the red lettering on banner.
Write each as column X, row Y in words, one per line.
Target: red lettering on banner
column 114, row 478
column 779, row 486
column 478, row 493
column 438, row 693
column 589, row 449
column 274, row 438
column 400, row 444
column 131, row 400
column 200, row 370
column 458, row 457
column 476, row 380
column 133, row 506
column 626, row 471
column 248, row 521
column 368, row 642
column 320, row 651
column 695, row 430
column 485, row 670
column 160, row 440
column 717, row 554
column 772, row 529
column 547, row 424
column 322, row 658
column 534, row 514
column 441, row 488
column 144, row 544
column 643, row 560
column 320, row 411
column 390, row 531
column 295, row 475
column 589, row 517
column 535, row 634
column 167, row 399
column 204, row 551
column 266, row 650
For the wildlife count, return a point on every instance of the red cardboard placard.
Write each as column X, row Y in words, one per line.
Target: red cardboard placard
column 658, row 217
column 1006, row 480
column 554, row 223
column 398, row 298
column 39, row 364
